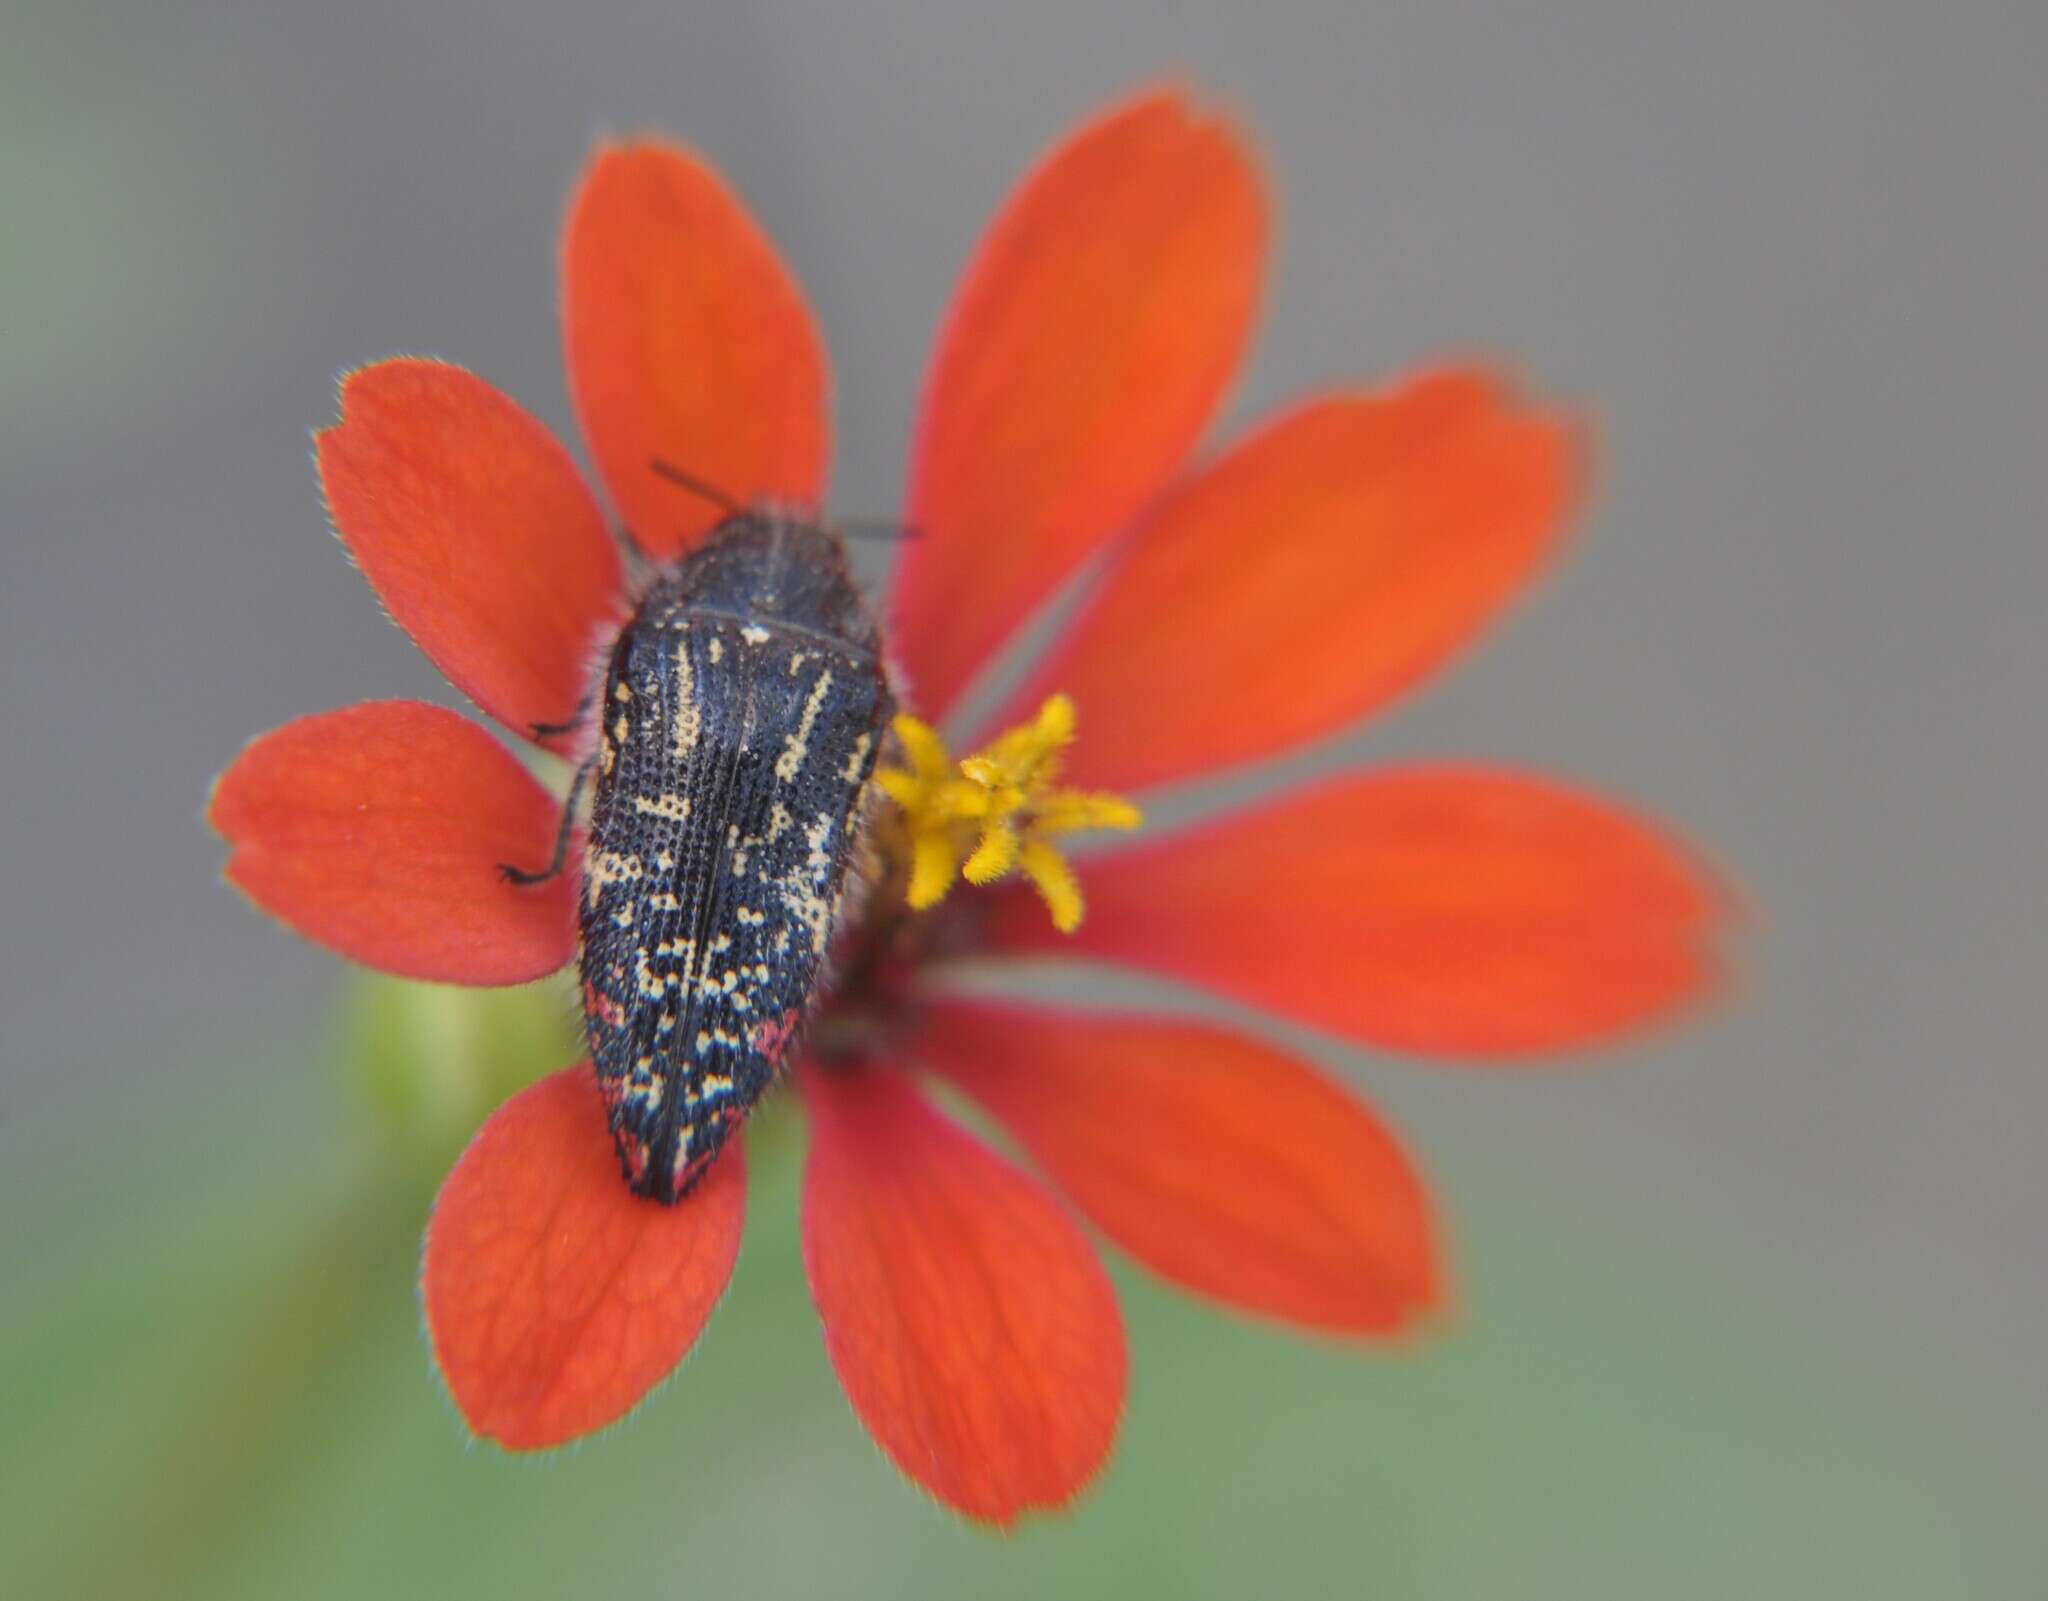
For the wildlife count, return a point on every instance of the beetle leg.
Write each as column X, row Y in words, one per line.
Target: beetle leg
column 517, row 875
column 550, row 730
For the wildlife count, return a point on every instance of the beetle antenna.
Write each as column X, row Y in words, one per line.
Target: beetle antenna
column 860, row 528
column 698, row 487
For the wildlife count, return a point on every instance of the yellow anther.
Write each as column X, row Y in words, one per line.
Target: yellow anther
column 929, row 760
column 933, row 867
column 1053, row 875
column 994, row 856
column 998, row 811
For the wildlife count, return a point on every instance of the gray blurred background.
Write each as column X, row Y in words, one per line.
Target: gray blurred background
column 1791, row 254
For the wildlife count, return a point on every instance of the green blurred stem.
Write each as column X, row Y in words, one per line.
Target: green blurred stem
column 246, row 1407
column 263, row 1386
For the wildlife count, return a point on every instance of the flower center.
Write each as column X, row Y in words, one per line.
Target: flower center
column 997, row 812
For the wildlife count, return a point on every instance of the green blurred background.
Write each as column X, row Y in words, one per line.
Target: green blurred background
column 1756, row 1309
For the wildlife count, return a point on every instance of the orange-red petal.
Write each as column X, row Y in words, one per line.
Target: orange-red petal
column 1462, row 911
column 1087, row 348
column 688, row 341
column 1318, row 570
column 555, row 1297
column 1229, row 1167
column 378, row 830
column 969, row 1319
column 474, row 527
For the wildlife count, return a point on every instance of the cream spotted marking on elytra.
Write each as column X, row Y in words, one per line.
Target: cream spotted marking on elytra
column 747, row 699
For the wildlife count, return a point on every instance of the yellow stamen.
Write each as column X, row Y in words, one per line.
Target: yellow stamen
column 994, row 856
column 998, row 811
column 933, row 868
column 1054, row 877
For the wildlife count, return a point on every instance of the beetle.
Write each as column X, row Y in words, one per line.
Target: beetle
column 739, row 722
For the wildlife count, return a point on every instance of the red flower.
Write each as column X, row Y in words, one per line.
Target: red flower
column 1301, row 579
